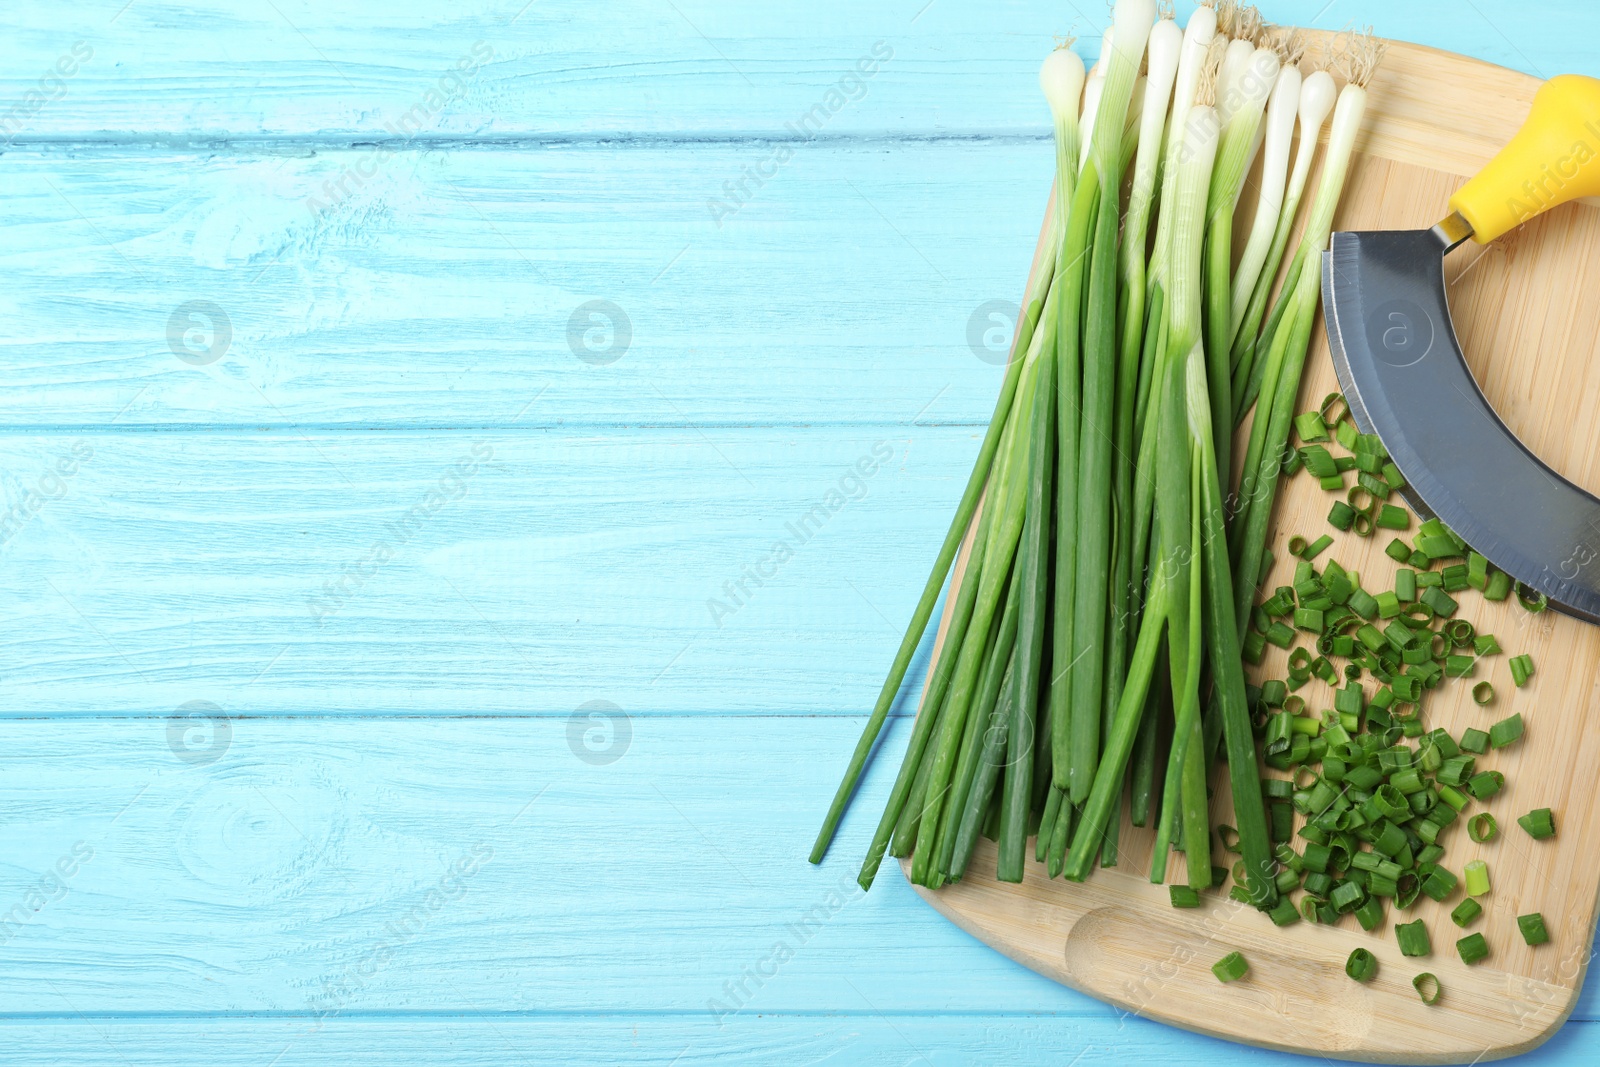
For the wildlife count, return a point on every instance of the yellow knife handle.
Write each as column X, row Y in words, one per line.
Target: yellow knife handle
column 1553, row 159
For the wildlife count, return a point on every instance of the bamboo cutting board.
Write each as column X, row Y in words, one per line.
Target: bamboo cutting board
column 1525, row 311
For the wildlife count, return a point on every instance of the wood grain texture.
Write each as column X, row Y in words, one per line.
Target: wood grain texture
column 277, row 867
column 497, row 572
column 175, row 166
column 1118, row 936
column 290, row 866
column 204, row 70
column 940, row 1039
column 445, row 290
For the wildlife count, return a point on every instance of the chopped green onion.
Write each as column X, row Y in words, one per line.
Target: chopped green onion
column 1540, row 823
column 1442, row 603
column 1456, row 770
column 1319, row 461
column 1391, row 517
column 1486, row 784
column 1483, row 694
column 1477, row 571
column 1482, row 827
column 1342, row 516
column 1472, row 948
column 1533, row 930
column 1346, row 434
column 1455, row 799
column 1486, row 645
column 1370, row 914
column 1427, row 987
column 1437, row 546
column 1521, row 670
column 1499, row 586
column 1532, row 600
column 1231, row 967
column 1475, row 740
column 1310, row 428
column 1284, row 913
column 1466, row 912
column 1317, row 547
column 1346, row 896
column 1506, row 731
column 1413, row 938
column 1362, row 965
column 1184, row 897
column 1439, row 884
column 1477, row 876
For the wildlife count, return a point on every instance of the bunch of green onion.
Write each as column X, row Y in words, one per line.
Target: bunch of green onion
column 1092, row 655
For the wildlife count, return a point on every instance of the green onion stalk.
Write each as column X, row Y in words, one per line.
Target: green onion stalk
column 1074, row 258
column 1198, row 34
column 1282, row 368
column 969, row 775
column 959, row 527
column 1008, row 501
column 1175, row 317
column 1174, row 474
column 1226, row 661
column 999, row 443
column 1168, row 595
column 1317, row 97
column 1133, row 21
column 1034, row 564
column 1144, row 148
column 1182, row 806
column 1166, row 467
column 1242, row 99
column 1277, row 139
column 1074, row 203
column 1061, row 84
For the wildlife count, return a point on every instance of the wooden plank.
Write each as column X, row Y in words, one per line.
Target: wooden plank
column 287, row 866
column 1118, row 937
column 500, row 572
column 651, row 1040
column 548, row 69
column 452, row 289
column 565, row 69
column 292, row 874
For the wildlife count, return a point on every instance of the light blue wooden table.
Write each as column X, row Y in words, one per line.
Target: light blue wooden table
column 398, row 400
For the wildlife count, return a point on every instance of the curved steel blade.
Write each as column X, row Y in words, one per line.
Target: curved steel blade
column 1406, row 380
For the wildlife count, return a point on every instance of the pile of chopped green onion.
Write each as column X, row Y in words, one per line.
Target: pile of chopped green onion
column 1096, row 645
column 1375, row 808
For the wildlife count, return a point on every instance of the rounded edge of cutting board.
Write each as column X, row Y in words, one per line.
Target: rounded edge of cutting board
column 1116, row 937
